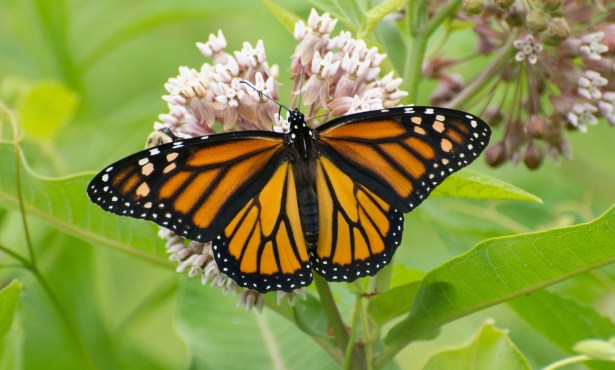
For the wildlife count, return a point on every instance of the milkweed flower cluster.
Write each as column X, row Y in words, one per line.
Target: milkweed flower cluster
column 553, row 72
column 332, row 75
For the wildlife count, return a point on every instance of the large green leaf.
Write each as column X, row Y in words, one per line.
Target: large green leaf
column 491, row 349
column 64, row 204
column 10, row 342
column 221, row 336
column 500, row 269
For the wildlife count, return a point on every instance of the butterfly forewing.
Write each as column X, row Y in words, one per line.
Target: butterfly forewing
column 402, row 154
column 193, row 187
column 263, row 247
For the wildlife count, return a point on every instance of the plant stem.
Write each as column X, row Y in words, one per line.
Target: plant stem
column 335, row 319
column 31, row 264
column 72, row 329
column 353, row 334
column 567, row 361
column 422, row 32
column 488, row 73
column 25, row 263
column 22, row 206
column 367, row 335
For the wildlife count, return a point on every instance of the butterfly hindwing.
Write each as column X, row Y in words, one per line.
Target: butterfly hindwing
column 194, row 186
column 402, row 154
column 359, row 232
column 263, row 248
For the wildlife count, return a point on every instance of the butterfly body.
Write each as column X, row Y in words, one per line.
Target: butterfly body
column 302, row 140
column 277, row 206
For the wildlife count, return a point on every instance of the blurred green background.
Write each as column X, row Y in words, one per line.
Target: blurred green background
column 111, row 59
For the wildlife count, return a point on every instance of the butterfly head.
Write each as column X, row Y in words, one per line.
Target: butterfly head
column 296, row 120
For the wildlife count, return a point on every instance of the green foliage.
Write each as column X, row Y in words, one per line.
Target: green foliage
column 471, row 184
column 375, row 14
column 10, row 336
column 497, row 270
column 491, row 349
column 64, row 204
column 266, row 339
column 80, row 85
column 45, row 107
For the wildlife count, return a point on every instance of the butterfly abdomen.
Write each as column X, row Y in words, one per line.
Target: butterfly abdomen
column 308, row 212
column 305, row 178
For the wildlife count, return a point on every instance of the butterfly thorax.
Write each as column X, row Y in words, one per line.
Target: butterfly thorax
column 302, row 140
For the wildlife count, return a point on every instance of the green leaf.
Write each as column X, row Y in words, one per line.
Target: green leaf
column 473, row 185
column 396, row 301
column 344, row 10
column 45, row 107
column 500, row 269
column 221, row 336
column 375, row 14
column 10, row 342
column 562, row 320
column 491, row 349
column 64, row 204
column 311, row 317
column 286, row 17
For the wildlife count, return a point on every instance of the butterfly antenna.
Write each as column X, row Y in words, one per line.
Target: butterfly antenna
column 265, row 95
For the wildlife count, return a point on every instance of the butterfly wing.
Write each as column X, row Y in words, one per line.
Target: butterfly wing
column 374, row 166
column 262, row 248
column 193, row 187
column 359, row 232
column 402, row 154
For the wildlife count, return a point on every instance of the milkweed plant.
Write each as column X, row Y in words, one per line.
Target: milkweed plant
column 547, row 73
column 337, row 73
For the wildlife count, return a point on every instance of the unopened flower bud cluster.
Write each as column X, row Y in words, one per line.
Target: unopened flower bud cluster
column 555, row 73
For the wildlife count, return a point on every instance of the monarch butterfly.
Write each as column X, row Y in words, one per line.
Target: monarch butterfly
column 275, row 206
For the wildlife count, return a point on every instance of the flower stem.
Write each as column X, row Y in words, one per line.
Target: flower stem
column 566, row 361
column 353, row 334
column 422, row 29
column 487, row 74
column 335, row 319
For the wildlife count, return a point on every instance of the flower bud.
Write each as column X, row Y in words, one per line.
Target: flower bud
column 514, row 16
column 496, row 154
column 533, row 156
column 493, row 116
column 503, row 4
column 537, row 127
column 557, row 31
column 536, row 20
column 473, row 6
column 551, row 5
column 446, row 90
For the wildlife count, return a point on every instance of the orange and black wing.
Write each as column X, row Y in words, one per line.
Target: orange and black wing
column 262, row 248
column 375, row 166
column 358, row 232
column 402, row 154
column 193, row 187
